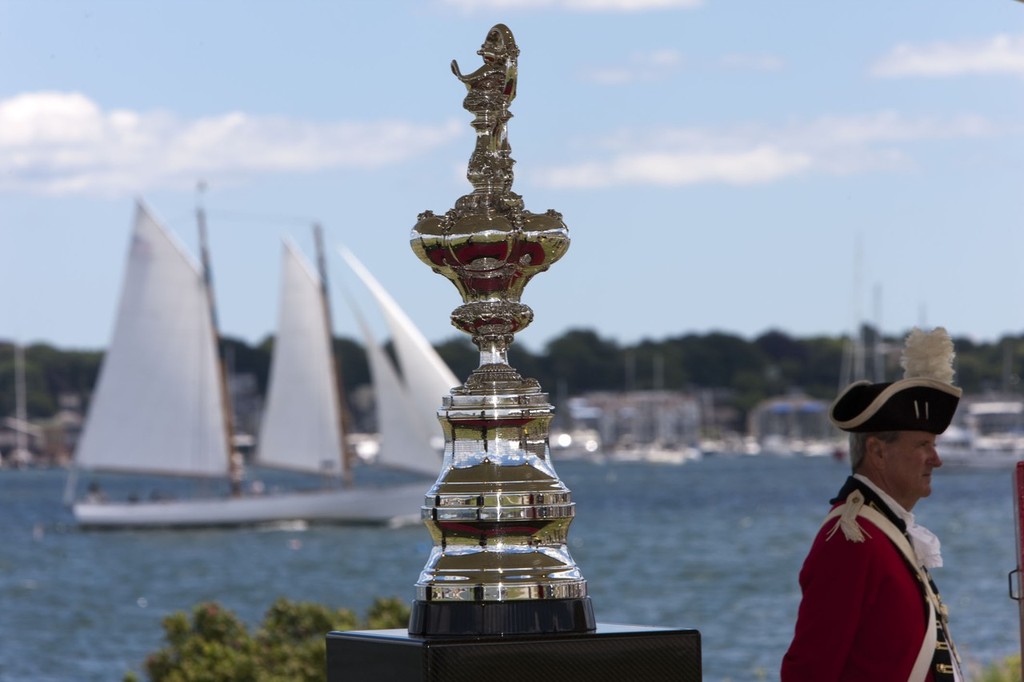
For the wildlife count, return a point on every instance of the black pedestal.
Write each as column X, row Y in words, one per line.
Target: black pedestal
column 613, row 652
column 478, row 618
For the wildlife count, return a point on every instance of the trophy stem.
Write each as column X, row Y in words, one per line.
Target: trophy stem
column 493, row 353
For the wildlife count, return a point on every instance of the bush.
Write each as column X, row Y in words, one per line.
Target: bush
column 289, row 646
column 1007, row 670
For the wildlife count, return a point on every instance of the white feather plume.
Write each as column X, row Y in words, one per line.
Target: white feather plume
column 929, row 355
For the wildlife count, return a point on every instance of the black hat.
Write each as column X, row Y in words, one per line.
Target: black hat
column 923, row 400
column 917, row 404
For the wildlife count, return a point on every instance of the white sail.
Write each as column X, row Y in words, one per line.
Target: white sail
column 158, row 405
column 424, row 375
column 403, row 443
column 300, row 429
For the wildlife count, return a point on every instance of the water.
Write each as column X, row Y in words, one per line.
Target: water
column 714, row 545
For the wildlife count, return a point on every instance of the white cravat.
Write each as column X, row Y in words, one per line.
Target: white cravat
column 926, row 543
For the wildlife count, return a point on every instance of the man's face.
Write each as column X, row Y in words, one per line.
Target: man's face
column 905, row 467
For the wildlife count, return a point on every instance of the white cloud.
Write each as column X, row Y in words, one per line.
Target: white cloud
column 756, row 165
column 644, row 66
column 748, row 155
column 573, row 5
column 58, row 142
column 753, row 62
column 1002, row 54
column 658, row 65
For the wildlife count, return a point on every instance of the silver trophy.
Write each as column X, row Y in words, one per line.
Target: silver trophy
column 498, row 514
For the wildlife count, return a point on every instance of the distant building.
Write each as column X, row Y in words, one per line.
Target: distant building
column 20, row 442
column 641, row 420
column 793, row 425
column 48, row 442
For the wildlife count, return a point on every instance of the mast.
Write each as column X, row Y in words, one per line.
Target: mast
column 343, row 420
column 878, row 352
column 853, row 360
column 1007, row 365
column 20, row 409
column 234, row 459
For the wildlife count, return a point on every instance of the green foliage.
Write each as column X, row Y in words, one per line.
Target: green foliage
column 289, row 646
column 461, row 356
column 584, row 362
column 49, row 373
column 241, row 358
column 213, row 646
column 385, row 614
column 352, row 363
column 580, row 361
column 1007, row 670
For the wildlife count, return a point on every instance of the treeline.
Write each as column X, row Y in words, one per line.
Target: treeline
column 740, row 372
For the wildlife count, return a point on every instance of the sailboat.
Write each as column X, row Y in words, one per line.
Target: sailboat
column 987, row 431
column 403, row 423
column 21, row 456
column 160, row 405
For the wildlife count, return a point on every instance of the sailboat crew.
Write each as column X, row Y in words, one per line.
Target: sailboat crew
column 870, row 610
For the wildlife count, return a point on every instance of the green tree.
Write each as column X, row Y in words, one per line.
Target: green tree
column 241, row 358
column 739, row 372
column 1007, row 670
column 289, row 646
column 461, row 356
column 584, row 361
column 213, row 646
column 291, row 639
column 352, row 363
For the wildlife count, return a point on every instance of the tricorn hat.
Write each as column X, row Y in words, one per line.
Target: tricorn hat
column 923, row 400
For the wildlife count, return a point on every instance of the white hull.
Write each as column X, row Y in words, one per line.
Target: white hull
column 657, row 454
column 385, row 506
column 980, row 457
column 986, row 433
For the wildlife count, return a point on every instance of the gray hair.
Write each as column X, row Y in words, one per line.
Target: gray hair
column 859, row 445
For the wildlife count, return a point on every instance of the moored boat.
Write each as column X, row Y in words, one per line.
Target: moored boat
column 986, row 432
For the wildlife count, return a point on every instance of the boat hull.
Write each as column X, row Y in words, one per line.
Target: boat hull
column 980, row 457
column 373, row 506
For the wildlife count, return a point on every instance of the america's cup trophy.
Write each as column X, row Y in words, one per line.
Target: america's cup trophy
column 498, row 514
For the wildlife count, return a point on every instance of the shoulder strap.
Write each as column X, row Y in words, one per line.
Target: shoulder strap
column 924, row 657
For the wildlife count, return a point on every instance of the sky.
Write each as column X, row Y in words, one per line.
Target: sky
column 724, row 166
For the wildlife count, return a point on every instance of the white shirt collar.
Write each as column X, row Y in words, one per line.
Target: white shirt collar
column 926, row 543
column 904, row 515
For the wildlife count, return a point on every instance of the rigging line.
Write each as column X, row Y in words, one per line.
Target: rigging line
column 266, row 218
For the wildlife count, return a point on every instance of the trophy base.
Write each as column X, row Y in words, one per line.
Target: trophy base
column 533, row 617
column 611, row 652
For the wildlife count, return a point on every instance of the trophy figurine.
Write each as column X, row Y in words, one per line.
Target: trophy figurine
column 498, row 514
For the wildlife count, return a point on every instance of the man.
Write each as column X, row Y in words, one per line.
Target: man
column 870, row 611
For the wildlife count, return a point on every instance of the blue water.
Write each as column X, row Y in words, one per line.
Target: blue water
column 714, row 545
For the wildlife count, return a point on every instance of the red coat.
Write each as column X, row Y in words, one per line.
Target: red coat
column 862, row 616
